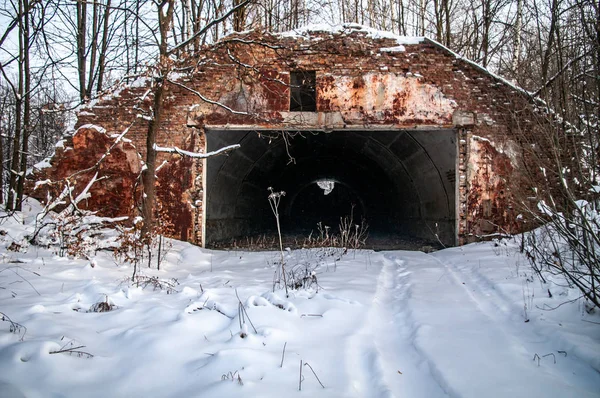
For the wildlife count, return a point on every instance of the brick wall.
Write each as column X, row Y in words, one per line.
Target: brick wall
column 359, row 85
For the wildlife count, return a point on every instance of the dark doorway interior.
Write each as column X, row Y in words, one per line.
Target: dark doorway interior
column 402, row 182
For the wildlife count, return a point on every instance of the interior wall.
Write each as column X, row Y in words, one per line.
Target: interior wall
column 401, row 181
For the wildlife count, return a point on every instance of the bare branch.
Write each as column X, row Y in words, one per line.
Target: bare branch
column 196, row 155
column 208, row 26
column 207, row 100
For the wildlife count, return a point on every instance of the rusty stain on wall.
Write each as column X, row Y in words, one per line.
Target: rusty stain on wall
column 489, row 199
column 391, row 98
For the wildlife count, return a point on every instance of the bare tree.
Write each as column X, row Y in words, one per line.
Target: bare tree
column 165, row 17
column 563, row 153
column 166, row 10
column 22, row 16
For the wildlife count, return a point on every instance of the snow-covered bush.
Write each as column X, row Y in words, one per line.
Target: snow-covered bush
column 561, row 185
column 133, row 249
column 568, row 244
column 78, row 234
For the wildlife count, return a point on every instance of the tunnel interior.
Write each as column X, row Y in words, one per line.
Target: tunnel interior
column 401, row 182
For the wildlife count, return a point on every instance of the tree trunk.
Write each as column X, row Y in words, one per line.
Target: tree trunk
column 485, row 39
column 15, row 162
column 401, row 18
column 136, row 59
column 448, row 26
column 81, row 53
column 2, row 154
column 517, row 35
column 148, row 178
column 437, row 8
column 104, row 47
column 26, row 104
column 93, row 49
column 550, row 45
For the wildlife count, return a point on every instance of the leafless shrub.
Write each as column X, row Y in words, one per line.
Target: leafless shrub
column 71, row 349
column 568, row 245
column 130, row 248
column 133, row 249
column 350, row 235
column 72, row 231
column 235, row 376
column 261, row 242
column 303, row 276
column 323, row 238
column 154, row 282
column 13, row 327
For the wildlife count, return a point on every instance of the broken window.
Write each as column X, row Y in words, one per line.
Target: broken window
column 303, row 93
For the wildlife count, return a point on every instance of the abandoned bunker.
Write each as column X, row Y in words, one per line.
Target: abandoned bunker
column 399, row 131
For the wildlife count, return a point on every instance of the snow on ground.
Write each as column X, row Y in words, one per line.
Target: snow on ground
column 380, row 324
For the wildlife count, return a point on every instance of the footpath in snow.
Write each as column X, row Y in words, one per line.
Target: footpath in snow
column 472, row 338
column 386, row 324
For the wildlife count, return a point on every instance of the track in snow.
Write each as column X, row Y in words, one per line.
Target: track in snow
column 386, row 362
column 437, row 330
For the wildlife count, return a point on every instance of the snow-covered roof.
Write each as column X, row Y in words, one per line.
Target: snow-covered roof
column 308, row 31
column 347, row 28
column 479, row 67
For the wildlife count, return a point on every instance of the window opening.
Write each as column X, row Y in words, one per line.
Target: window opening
column 303, row 93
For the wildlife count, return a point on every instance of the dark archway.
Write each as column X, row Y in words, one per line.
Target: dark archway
column 401, row 181
column 311, row 204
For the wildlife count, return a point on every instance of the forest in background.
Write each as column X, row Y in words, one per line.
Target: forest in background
column 57, row 54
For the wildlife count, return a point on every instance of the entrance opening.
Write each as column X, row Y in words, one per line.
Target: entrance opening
column 402, row 182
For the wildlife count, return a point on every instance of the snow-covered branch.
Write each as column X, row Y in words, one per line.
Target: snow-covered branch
column 196, row 154
column 86, row 192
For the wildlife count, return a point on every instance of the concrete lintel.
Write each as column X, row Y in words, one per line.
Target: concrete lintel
column 463, row 118
column 351, row 127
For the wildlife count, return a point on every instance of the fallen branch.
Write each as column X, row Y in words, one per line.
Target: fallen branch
column 74, row 351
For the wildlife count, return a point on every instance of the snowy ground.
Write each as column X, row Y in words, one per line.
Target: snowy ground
column 381, row 324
